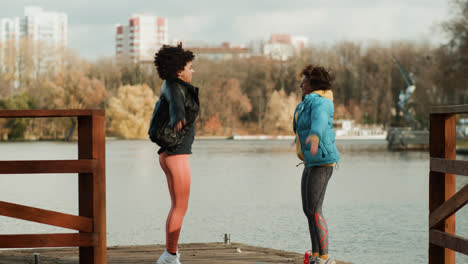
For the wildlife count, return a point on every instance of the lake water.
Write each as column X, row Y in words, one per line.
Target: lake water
column 376, row 204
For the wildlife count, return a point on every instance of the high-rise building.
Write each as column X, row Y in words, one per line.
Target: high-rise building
column 141, row 38
column 44, row 26
column 9, row 29
column 39, row 28
column 38, row 25
column 9, row 36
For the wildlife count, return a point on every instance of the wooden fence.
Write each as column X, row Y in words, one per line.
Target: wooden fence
column 90, row 166
column 444, row 201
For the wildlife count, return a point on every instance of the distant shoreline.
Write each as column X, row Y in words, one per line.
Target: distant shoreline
column 284, row 137
column 237, row 138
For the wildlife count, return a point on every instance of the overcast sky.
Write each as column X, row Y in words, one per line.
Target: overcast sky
column 92, row 23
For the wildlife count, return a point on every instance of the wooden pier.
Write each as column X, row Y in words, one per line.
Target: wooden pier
column 88, row 245
column 196, row 253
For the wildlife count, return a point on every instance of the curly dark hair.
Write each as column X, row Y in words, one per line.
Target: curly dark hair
column 170, row 60
column 319, row 77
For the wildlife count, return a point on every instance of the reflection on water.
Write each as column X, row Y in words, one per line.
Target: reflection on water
column 376, row 204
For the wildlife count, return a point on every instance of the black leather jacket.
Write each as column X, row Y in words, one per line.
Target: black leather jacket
column 178, row 102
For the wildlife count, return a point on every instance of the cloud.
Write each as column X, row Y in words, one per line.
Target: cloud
column 262, row 25
column 190, row 27
column 92, row 41
column 91, row 22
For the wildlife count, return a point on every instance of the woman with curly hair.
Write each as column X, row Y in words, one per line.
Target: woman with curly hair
column 172, row 128
column 315, row 146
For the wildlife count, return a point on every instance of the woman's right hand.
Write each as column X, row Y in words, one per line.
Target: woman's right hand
column 313, row 141
column 179, row 125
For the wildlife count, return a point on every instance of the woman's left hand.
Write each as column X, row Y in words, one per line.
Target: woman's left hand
column 312, row 140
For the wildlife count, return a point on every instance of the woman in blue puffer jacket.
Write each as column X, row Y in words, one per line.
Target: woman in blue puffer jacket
column 315, row 146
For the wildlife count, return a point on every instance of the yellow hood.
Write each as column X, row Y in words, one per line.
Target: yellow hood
column 325, row 93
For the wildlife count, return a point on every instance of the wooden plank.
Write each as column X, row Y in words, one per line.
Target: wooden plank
column 452, row 109
column 47, row 240
column 453, row 242
column 442, row 185
column 50, row 113
column 47, row 166
column 38, row 215
column 195, row 253
column 92, row 187
column 459, row 167
column 448, row 208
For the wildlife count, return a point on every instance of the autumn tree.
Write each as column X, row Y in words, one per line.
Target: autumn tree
column 453, row 56
column 17, row 127
column 259, row 86
column 237, row 103
column 131, row 110
column 280, row 112
column 213, row 125
column 109, row 72
column 71, row 88
column 8, row 54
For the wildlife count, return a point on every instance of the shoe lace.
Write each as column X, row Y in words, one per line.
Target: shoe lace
column 319, row 260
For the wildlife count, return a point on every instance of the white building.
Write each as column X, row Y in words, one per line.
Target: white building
column 38, row 25
column 141, row 38
column 9, row 29
column 299, row 42
column 225, row 51
column 40, row 28
column 45, row 26
column 278, row 51
column 284, row 46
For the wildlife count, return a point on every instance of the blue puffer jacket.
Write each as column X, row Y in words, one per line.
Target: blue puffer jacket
column 314, row 116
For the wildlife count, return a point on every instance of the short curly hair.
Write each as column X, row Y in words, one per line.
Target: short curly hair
column 170, row 60
column 319, row 77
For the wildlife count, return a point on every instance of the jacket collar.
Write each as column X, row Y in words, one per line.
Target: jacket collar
column 322, row 93
column 188, row 85
column 325, row 93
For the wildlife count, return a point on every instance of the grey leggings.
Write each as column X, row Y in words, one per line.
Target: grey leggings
column 313, row 186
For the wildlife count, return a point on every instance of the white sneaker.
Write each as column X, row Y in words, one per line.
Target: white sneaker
column 168, row 258
column 315, row 260
column 329, row 260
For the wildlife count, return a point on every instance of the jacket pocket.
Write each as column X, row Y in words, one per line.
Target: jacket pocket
column 161, row 131
column 323, row 148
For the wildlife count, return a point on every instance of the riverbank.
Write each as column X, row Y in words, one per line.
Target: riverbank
column 462, row 146
column 194, row 253
column 236, row 137
column 284, row 137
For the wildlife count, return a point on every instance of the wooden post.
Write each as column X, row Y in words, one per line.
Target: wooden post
column 442, row 185
column 92, row 190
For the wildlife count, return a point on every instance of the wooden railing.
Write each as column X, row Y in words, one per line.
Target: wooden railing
column 444, row 201
column 90, row 166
